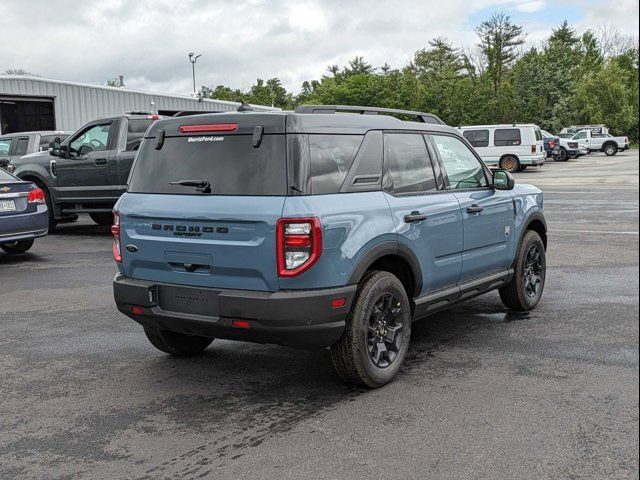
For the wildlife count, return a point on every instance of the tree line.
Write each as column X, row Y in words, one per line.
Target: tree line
column 568, row 79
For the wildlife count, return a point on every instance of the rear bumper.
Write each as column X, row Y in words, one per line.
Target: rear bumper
column 299, row 319
column 24, row 226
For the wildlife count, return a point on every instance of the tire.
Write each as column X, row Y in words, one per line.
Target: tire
column 510, row 163
column 174, row 343
column 20, row 246
column 102, row 218
column 374, row 345
column 563, row 155
column 610, row 149
column 523, row 168
column 521, row 294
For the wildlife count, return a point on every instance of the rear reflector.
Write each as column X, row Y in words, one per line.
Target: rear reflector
column 137, row 310
column 240, row 324
column 338, row 302
column 210, row 128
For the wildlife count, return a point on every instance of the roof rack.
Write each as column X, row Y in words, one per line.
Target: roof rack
column 186, row 113
column 419, row 116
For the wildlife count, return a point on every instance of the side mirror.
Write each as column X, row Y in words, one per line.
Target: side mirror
column 502, row 180
column 54, row 147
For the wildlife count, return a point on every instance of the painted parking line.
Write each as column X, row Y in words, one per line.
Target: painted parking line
column 606, row 232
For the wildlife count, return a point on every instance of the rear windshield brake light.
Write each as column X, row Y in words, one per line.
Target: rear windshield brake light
column 213, row 127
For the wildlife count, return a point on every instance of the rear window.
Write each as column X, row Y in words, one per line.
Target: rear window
column 6, row 176
column 331, row 157
column 229, row 163
column 538, row 133
column 507, row 137
column 22, row 145
column 135, row 132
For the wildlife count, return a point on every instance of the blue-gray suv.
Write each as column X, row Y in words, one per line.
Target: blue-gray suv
column 330, row 226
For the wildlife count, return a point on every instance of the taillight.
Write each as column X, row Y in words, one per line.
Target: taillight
column 552, row 143
column 115, row 231
column 534, row 148
column 298, row 244
column 36, row 196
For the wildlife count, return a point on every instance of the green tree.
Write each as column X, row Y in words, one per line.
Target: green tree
column 499, row 40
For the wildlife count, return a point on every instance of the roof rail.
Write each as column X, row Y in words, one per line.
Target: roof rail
column 419, row 116
column 186, row 113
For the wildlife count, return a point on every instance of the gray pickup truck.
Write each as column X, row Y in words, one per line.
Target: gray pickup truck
column 87, row 172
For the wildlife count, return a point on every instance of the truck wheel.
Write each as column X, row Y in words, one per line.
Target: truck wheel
column 610, row 150
column 525, row 289
column 176, row 343
column 102, row 218
column 17, row 247
column 563, row 155
column 510, row 164
column 376, row 338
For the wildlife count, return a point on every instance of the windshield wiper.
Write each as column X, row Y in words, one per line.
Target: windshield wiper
column 203, row 186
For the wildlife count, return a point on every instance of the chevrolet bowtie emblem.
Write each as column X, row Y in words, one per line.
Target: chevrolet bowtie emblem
column 5, row 189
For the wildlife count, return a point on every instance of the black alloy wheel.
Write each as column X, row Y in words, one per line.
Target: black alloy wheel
column 384, row 338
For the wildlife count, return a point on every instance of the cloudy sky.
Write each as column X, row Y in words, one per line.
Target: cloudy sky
column 147, row 41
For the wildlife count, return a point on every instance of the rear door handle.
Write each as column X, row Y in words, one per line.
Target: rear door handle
column 414, row 217
column 101, row 161
column 474, row 209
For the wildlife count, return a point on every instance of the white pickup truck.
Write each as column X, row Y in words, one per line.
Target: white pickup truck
column 601, row 142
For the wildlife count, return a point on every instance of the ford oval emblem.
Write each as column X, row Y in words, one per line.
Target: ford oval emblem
column 131, row 248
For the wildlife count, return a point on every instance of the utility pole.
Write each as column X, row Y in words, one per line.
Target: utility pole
column 193, row 58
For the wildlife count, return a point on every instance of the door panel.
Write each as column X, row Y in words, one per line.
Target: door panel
column 488, row 234
column 436, row 241
column 84, row 173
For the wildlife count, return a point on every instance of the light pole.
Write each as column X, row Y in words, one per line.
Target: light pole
column 193, row 58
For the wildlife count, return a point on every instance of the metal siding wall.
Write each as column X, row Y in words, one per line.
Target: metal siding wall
column 77, row 104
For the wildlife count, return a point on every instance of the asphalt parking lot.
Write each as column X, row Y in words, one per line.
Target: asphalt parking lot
column 484, row 393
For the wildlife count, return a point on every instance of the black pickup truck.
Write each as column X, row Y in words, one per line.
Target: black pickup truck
column 88, row 171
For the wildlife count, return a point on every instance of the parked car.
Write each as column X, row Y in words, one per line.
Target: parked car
column 512, row 147
column 566, row 148
column 23, row 214
column 573, row 148
column 87, row 172
column 318, row 229
column 16, row 145
column 551, row 145
column 601, row 142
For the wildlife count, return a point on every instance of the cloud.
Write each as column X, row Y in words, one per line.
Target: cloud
column 147, row 41
column 530, row 7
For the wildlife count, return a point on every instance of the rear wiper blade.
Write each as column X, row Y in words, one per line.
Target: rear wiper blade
column 203, row 186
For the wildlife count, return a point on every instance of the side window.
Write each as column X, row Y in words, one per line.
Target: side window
column 5, row 146
column 94, row 139
column 580, row 135
column 22, row 144
column 462, row 167
column 331, row 157
column 477, row 138
column 503, row 137
column 135, row 133
column 408, row 163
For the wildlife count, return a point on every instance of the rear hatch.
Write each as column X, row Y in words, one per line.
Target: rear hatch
column 203, row 201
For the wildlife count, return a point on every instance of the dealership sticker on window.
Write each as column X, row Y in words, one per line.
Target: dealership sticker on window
column 205, row 139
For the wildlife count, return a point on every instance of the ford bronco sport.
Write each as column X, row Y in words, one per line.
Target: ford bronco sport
column 329, row 226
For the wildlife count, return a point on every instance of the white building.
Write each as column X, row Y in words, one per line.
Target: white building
column 33, row 103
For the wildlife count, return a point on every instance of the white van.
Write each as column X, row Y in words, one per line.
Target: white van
column 512, row 147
